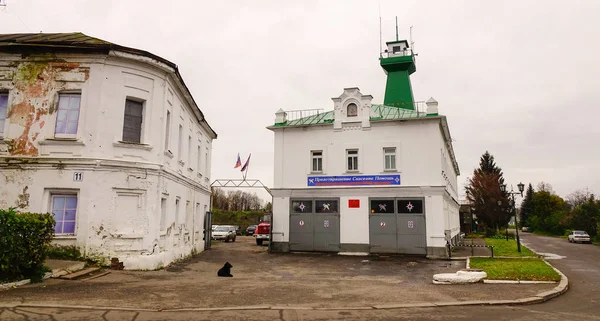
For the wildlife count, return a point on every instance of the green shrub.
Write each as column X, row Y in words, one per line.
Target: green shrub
column 64, row 252
column 24, row 243
column 567, row 232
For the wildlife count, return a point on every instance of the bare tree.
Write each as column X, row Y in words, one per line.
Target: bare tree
column 578, row 197
column 545, row 187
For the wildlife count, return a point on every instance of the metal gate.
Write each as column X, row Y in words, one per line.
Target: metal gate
column 314, row 225
column 397, row 226
column 207, row 230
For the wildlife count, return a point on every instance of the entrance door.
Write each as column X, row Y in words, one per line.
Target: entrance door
column 397, row 225
column 207, row 230
column 383, row 226
column 326, row 226
column 411, row 226
column 315, row 225
column 301, row 225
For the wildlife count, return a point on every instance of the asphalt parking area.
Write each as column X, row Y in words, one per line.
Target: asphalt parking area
column 275, row 279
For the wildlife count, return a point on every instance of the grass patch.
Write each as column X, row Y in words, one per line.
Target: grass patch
column 530, row 269
column 502, row 247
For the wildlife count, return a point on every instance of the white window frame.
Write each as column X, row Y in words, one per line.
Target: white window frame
column 390, row 152
column 142, row 125
column 316, row 155
column 177, row 208
column 5, row 116
column 67, row 94
column 354, row 154
column 164, row 203
column 59, row 193
column 348, row 110
column 168, row 122
column 180, row 144
column 190, row 152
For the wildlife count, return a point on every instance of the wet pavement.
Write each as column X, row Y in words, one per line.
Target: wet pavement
column 274, row 279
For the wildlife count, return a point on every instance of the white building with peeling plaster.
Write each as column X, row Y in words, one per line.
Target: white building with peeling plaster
column 110, row 140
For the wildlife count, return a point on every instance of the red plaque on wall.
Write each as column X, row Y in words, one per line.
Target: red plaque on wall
column 353, row 203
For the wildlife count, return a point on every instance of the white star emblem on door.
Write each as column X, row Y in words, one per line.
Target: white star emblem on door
column 302, row 207
column 410, row 207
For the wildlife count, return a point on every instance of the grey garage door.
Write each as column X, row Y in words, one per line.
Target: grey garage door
column 314, row 225
column 397, row 226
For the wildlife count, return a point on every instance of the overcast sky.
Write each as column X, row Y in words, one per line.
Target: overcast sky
column 517, row 78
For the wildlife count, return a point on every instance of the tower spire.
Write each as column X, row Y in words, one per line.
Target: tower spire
column 396, row 28
column 398, row 64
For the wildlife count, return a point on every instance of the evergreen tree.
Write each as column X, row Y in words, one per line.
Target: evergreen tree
column 526, row 205
column 488, row 165
column 484, row 194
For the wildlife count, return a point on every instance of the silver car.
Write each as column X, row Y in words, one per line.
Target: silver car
column 579, row 237
column 224, row 232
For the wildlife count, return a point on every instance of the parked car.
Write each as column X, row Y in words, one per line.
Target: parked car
column 525, row 229
column 250, row 230
column 579, row 237
column 224, row 232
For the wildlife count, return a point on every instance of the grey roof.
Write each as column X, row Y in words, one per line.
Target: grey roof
column 57, row 38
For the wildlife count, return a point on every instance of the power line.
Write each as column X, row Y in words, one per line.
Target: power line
column 3, row 4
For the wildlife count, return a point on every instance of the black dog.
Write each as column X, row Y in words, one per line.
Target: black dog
column 225, row 270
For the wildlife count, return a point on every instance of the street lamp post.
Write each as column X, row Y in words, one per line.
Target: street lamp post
column 521, row 187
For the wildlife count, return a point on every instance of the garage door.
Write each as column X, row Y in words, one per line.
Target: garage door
column 397, row 226
column 315, row 225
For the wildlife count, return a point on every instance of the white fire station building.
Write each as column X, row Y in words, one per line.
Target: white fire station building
column 364, row 177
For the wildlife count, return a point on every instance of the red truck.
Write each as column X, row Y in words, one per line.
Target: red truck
column 263, row 230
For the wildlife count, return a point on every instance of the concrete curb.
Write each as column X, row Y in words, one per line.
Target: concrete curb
column 73, row 268
column 562, row 287
column 7, row 286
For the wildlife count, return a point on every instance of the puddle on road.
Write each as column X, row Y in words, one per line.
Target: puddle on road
column 552, row 256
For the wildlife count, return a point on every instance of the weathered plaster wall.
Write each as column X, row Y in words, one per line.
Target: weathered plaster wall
column 119, row 205
column 106, row 230
column 32, row 99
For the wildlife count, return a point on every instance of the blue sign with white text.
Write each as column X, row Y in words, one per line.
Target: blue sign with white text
column 359, row 180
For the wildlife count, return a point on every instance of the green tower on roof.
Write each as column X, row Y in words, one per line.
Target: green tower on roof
column 398, row 63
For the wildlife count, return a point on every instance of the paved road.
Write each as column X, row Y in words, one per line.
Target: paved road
column 578, row 261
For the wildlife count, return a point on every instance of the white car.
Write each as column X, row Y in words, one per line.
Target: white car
column 579, row 237
column 224, row 232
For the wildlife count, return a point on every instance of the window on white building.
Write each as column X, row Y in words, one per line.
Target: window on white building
column 3, row 109
column 199, row 158
column 167, row 130
column 132, row 124
column 317, row 161
column 352, row 157
column 176, row 211
column 352, row 110
column 180, row 143
column 64, row 208
column 67, row 115
column 206, row 165
column 163, row 214
column 189, row 151
column 389, row 156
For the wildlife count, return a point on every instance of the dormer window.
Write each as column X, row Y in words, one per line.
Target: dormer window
column 352, row 110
